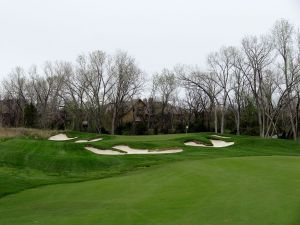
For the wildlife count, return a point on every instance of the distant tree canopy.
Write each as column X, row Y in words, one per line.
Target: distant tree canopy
column 252, row 89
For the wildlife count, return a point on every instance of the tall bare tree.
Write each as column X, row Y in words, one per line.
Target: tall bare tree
column 164, row 88
column 48, row 91
column 221, row 64
column 94, row 73
column 239, row 88
column 193, row 77
column 15, row 88
column 283, row 34
column 126, row 81
column 258, row 56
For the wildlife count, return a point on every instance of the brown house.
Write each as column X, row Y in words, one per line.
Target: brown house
column 137, row 112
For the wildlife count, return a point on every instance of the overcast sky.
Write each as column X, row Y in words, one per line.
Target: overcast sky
column 158, row 33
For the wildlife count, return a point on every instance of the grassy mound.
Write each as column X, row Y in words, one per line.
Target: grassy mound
column 26, row 162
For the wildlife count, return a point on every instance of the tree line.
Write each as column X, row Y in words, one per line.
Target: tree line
column 252, row 88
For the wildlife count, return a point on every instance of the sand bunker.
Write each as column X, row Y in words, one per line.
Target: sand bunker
column 215, row 143
column 103, row 152
column 218, row 136
column 195, row 144
column 88, row 141
column 130, row 151
column 220, row 144
column 60, row 137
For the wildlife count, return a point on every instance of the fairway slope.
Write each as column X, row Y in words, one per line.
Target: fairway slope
column 228, row 191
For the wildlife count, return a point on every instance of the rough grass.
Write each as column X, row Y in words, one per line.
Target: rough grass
column 26, row 132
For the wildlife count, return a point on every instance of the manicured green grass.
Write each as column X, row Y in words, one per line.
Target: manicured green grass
column 210, row 185
column 228, row 191
column 58, row 162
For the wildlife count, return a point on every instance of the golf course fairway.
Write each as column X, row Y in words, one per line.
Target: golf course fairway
column 258, row 190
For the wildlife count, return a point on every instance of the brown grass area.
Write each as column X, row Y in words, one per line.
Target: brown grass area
column 26, row 132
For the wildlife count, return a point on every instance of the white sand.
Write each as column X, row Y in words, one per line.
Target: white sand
column 221, row 144
column 145, row 151
column 103, row 152
column 130, row 151
column 194, row 144
column 87, row 141
column 60, row 137
column 218, row 136
column 215, row 143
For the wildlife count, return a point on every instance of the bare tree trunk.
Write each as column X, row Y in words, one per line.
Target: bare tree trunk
column 261, row 131
column 216, row 119
column 222, row 121
column 292, row 123
column 223, row 116
column 238, row 123
column 113, row 121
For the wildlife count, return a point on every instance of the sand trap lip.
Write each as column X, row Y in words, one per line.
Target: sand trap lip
column 130, row 151
column 88, row 141
column 218, row 136
column 215, row 143
column 103, row 152
column 60, row 137
column 145, row 151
